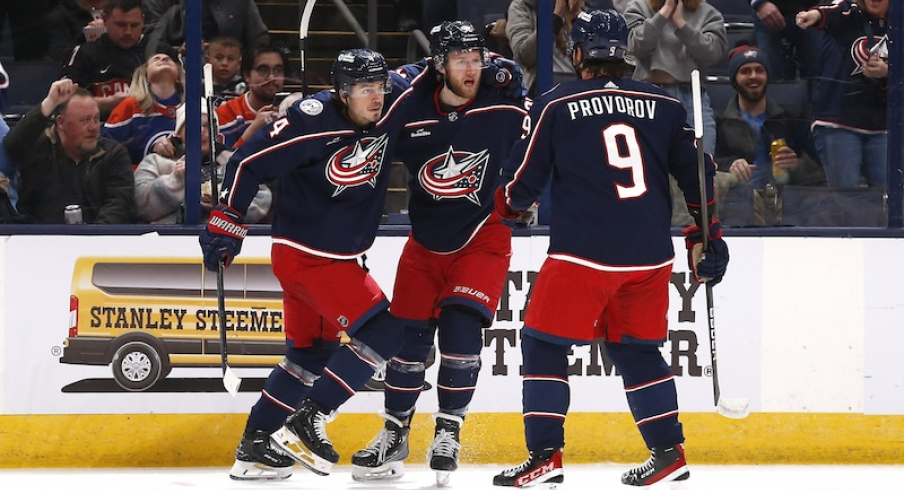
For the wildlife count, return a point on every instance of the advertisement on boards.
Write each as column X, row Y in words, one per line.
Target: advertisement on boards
column 129, row 324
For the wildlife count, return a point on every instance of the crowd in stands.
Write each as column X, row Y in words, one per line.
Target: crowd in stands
column 107, row 136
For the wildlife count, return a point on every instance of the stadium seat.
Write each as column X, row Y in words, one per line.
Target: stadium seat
column 734, row 11
column 28, row 84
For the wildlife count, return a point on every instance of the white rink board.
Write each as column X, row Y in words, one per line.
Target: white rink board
column 797, row 320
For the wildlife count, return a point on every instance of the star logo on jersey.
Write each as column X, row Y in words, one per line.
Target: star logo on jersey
column 454, row 175
column 357, row 164
column 861, row 51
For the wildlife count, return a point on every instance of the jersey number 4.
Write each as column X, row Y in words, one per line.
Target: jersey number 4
column 631, row 159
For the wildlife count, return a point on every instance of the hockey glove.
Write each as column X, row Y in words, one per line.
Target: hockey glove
column 222, row 238
column 502, row 207
column 505, row 75
column 708, row 266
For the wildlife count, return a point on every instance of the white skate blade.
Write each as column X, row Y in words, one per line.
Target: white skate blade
column 291, row 445
column 733, row 408
column 251, row 471
column 386, row 472
column 442, row 478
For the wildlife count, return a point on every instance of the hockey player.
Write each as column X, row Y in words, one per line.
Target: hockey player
column 328, row 152
column 331, row 153
column 453, row 267
column 609, row 145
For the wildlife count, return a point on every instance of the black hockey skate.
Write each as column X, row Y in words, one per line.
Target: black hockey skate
column 304, row 438
column 384, row 456
column 443, row 452
column 666, row 464
column 256, row 459
column 543, row 466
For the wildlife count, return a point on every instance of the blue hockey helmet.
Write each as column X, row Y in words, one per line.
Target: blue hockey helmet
column 353, row 66
column 455, row 36
column 601, row 34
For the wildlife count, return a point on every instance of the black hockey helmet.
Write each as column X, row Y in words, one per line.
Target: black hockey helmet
column 353, row 66
column 602, row 35
column 455, row 36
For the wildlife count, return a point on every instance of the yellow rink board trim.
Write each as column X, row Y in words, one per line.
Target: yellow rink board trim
column 56, row 441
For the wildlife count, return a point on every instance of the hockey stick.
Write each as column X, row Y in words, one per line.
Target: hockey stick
column 230, row 380
column 736, row 408
column 303, row 24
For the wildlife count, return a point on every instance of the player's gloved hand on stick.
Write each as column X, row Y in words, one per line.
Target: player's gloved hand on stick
column 522, row 218
column 506, row 75
column 222, row 238
column 707, row 266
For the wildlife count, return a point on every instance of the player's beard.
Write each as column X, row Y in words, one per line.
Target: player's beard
column 459, row 89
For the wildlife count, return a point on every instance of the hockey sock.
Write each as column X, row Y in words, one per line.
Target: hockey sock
column 546, row 394
column 460, row 342
column 288, row 384
column 405, row 372
column 378, row 339
column 651, row 392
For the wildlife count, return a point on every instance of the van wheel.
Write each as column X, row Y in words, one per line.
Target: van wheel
column 136, row 366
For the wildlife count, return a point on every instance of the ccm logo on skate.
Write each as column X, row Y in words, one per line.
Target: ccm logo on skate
column 535, row 473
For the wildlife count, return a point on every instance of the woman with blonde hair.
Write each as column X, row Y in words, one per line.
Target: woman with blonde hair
column 160, row 180
column 141, row 120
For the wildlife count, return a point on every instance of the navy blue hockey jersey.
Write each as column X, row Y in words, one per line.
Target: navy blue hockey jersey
column 454, row 160
column 609, row 146
column 333, row 174
column 845, row 97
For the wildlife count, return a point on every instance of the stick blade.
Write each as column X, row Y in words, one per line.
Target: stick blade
column 733, row 408
column 231, row 381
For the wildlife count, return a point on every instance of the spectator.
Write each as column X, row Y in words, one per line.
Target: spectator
column 224, row 53
column 752, row 121
column 141, row 121
column 28, row 27
column 668, row 40
column 264, row 71
column 160, row 181
column 105, row 66
column 72, row 23
column 791, row 50
column 8, row 171
column 521, row 30
column 240, row 19
column 850, row 111
column 70, row 163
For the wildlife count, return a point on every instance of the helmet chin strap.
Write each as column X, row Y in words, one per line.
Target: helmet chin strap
column 579, row 66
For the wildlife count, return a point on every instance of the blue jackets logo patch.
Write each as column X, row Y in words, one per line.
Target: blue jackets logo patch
column 455, row 174
column 357, row 164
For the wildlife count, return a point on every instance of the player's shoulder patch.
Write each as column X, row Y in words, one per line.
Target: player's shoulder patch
column 311, row 107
